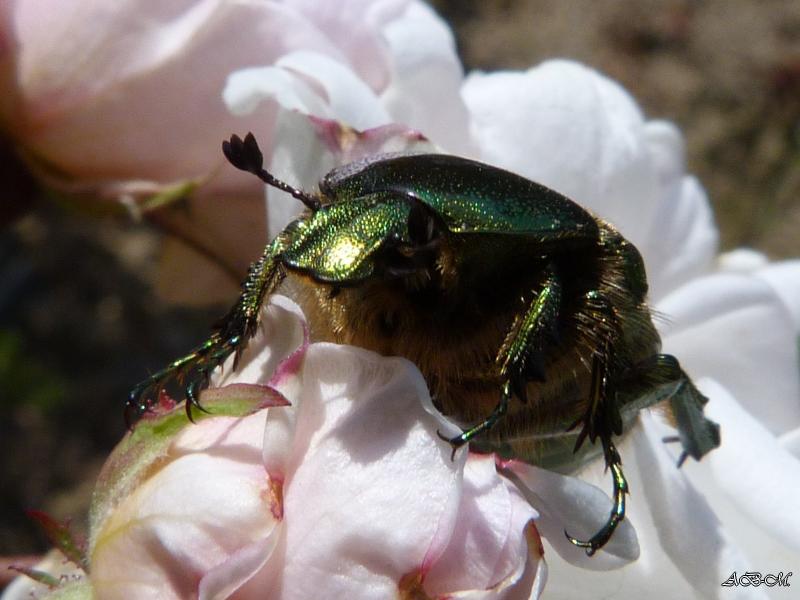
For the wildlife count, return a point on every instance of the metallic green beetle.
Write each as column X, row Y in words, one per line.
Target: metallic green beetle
column 496, row 287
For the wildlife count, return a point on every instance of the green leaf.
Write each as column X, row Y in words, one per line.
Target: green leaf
column 38, row 576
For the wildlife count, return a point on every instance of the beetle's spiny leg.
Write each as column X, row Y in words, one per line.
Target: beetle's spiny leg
column 522, row 353
column 600, row 539
column 518, row 358
column 144, row 395
column 246, row 155
column 592, row 419
column 232, row 334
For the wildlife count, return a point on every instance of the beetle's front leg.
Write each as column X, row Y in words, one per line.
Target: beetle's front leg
column 661, row 378
column 497, row 413
column 193, row 371
column 521, row 358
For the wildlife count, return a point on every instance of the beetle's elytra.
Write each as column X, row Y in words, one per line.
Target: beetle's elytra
column 526, row 314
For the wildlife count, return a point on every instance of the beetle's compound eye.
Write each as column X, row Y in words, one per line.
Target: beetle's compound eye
column 421, row 225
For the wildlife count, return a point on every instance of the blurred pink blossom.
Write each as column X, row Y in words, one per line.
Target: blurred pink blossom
column 122, row 101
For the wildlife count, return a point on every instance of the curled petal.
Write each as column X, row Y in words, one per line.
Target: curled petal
column 311, row 83
column 685, row 523
column 754, row 475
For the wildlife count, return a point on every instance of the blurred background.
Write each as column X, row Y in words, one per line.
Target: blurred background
column 80, row 322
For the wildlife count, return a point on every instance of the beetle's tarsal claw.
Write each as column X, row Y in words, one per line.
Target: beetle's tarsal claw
column 455, row 442
column 601, row 538
column 140, row 399
column 135, row 407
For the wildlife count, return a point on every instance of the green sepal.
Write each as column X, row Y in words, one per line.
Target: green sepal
column 62, row 538
column 169, row 195
column 38, row 576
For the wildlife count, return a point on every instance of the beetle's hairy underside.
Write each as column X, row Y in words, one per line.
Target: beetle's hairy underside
column 526, row 314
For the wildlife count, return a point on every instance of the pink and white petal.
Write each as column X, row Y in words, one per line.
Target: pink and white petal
column 572, row 129
column 488, row 550
column 246, row 89
column 753, row 482
column 309, row 82
column 349, row 145
column 370, row 493
column 734, row 328
column 568, row 504
column 354, row 27
column 240, row 437
column 313, row 146
column 282, row 333
column 424, row 90
column 687, row 529
column 301, row 159
column 42, row 26
column 191, row 516
column 536, row 572
column 684, row 551
column 349, row 99
column 223, row 580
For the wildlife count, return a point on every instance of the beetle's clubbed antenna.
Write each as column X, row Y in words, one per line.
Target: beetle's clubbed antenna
column 246, row 155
